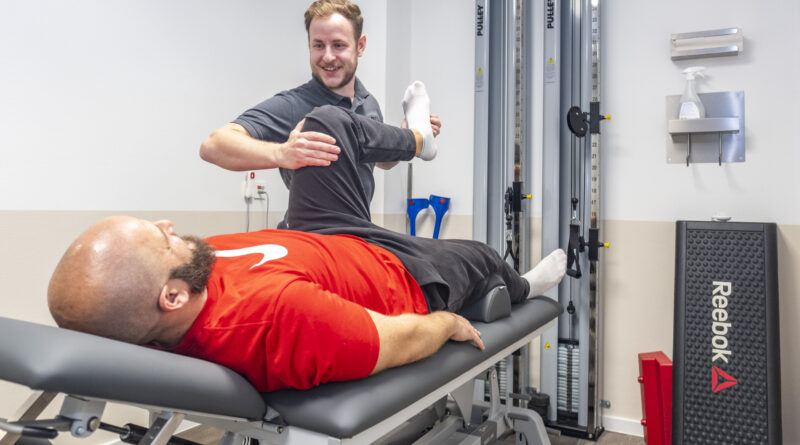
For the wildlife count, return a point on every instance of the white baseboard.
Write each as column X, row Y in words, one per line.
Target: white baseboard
column 622, row 425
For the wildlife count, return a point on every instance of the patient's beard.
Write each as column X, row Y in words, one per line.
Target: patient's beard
column 197, row 270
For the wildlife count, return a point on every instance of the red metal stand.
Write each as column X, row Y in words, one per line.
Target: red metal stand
column 655, row 376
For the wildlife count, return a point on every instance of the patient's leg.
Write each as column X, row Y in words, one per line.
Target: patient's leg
column 322, row 198
column 469, row 270
column 331, row 200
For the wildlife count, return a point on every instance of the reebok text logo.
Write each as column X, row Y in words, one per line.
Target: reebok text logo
column 720, row 326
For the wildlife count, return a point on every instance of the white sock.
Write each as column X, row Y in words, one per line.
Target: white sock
column 417, row 107
column 547, row 273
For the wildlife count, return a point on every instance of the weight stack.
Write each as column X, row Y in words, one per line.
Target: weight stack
column 726, row 373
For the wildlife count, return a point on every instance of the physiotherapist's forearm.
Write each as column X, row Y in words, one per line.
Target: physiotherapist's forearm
column 230, row 147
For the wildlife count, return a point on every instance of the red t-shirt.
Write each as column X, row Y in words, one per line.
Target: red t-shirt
column 286, row 308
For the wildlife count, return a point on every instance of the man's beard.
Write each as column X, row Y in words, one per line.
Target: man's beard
column 197, row 270
column 345, row 80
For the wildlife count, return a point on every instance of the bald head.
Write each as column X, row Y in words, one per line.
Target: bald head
column 109, row 280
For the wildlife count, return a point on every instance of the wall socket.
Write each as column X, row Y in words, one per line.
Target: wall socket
column 260, row 190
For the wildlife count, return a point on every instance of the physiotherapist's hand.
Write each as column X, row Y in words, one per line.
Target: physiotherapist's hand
column 308, row 148
column 436, row 124
column 464, row 331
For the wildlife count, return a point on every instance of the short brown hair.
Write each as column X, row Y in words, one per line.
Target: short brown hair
column 326, row 8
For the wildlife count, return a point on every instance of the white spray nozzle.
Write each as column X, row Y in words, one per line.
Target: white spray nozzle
column 694, row 71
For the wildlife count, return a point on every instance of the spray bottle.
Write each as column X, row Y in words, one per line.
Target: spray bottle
column 691, row 107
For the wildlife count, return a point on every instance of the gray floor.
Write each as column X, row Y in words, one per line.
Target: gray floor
column 607, row 438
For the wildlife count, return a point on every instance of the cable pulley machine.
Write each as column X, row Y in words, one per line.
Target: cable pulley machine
column 569, row 354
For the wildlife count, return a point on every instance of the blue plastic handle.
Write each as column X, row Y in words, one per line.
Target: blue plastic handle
column 415, row 205
column 440, row 206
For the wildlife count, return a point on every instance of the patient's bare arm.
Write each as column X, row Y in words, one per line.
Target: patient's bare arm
column 407, row 338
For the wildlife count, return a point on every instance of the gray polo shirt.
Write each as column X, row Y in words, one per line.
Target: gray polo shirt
column 276, row 117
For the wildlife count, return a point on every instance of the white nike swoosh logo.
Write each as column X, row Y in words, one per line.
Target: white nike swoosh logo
column 270, row 252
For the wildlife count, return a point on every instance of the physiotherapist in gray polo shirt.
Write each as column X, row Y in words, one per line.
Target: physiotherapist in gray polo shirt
column 268, row 135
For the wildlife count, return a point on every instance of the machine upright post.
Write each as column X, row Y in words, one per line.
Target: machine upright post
column 551, row 180
column 594, row 380
column 481, row 168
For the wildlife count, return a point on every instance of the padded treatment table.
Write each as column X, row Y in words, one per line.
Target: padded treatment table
column 62, row 361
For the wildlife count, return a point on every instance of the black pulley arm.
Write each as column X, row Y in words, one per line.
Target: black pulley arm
column 577, row 244
column 514, row 196
column 595, row 245
column 508, row 205
column 512, row 204
column 574, row 248
column 580, row 122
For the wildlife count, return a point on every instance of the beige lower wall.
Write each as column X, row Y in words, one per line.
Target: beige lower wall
column 789, row 288
column 453, row 226
column 636, row 291
column 636, row 282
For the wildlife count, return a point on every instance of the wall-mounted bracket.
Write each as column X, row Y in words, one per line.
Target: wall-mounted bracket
column 717, row 138
column 712, row 43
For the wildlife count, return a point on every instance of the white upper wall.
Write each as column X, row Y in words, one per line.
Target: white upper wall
column 442, row 55
column 637, row 183
column 104, row 104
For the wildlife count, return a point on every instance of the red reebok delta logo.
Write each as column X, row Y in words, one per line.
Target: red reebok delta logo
column 721, row 380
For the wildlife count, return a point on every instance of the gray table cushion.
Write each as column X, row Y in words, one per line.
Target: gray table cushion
column 59, row 360
column 493, row 306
